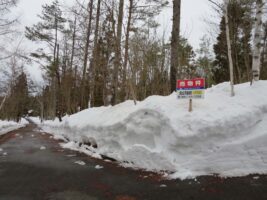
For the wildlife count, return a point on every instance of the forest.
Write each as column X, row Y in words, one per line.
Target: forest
column 104, row 52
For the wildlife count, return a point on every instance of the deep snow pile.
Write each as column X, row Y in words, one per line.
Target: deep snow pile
column 224, row 135
column 7, row 126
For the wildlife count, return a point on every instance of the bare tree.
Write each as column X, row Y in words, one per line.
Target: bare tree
column 175, row 42
column 6, row 25
column 228, row 39
column 126, row 46
column 229, row 48
column 256, row 63
column 84, row 104
column 95, row 53
column 117, row 62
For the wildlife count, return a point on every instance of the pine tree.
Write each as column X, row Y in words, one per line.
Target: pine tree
column 204, row 60
column 240, row 28
column 16, row 105
column 48, row 31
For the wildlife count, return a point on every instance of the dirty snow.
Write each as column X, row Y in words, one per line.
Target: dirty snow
column 79, row 162
column 99, row 167
column 7, row 126
column 223, row 135
column 42, row 148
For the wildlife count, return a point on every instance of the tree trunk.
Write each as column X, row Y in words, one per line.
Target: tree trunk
column 247, row 59
column 3, row 102
column 73, row 43
column 238, row 70
column 76, row 106
column 256, row 62
column 95, row 54
column 54, row 90
column 264, row 52
column 56, row 33
column 117, row 62
column 84, row 104
column 41, row 103
column 58, row 89
column 175, row 43
column 229, row 48
column 126, row 53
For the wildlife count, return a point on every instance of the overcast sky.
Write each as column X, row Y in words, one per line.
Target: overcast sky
column 193, row 14
column 193, row 26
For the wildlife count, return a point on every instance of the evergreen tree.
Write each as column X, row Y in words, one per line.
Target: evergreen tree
column 16, row 105
column 48, row 30
column 186, row 57
column 240, row 20
column 204, row 61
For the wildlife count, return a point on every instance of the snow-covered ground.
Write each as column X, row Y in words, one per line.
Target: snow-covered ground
column 7, row 126
column 223, row 135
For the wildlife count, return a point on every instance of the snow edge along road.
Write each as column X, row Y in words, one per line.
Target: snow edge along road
column 224, row 135
column 8, row 126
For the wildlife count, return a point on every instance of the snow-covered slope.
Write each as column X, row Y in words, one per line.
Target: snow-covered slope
column 224, row 135
column 7, row 126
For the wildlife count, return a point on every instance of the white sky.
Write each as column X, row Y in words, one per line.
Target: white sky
column 193, row 14
column 193, row 26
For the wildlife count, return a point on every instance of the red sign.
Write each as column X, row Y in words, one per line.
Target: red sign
column 194, row 84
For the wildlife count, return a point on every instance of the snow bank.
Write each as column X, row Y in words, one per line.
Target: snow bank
column 7, row 126
column 224, row 135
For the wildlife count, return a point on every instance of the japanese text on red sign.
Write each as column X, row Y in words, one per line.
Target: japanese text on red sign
column 191, row 89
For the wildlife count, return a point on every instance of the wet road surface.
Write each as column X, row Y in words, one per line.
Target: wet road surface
column 34, row 167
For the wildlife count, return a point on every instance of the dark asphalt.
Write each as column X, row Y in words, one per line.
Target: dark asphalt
column 30, row 172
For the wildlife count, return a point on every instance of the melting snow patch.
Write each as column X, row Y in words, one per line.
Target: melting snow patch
column 7, row 126
column 5, row 154
column 72, row 155
column 163, row 186
column 1, row 149
column 42, row 148
column 79, row 162
column 99, row 167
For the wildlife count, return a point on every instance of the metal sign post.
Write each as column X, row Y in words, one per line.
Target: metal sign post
column 190, row 105
column 191, row 89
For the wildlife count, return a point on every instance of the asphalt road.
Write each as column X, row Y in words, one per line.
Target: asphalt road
column 34, row 167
